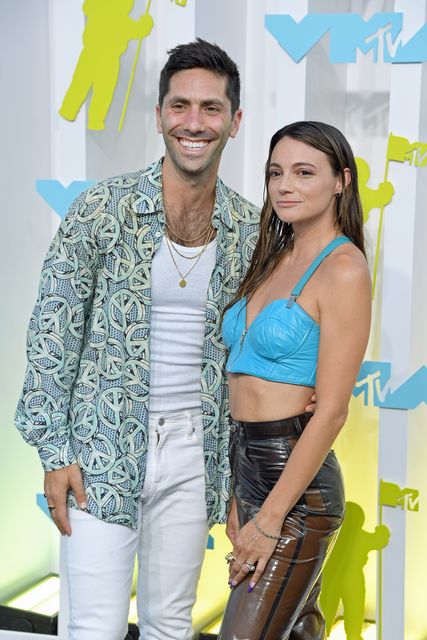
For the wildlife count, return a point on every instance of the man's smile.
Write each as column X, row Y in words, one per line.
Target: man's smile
column 193, row 145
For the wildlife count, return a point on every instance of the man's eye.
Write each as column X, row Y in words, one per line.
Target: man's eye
column 273, row 174
column 212, row 109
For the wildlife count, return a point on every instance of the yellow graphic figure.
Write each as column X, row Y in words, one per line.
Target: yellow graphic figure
column 391, row 495
column 372, row 198
column 181, row 3
column 399, row 149
column 105, row 38
column 343, row 578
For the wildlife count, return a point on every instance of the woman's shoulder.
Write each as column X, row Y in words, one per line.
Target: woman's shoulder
column 346, row 267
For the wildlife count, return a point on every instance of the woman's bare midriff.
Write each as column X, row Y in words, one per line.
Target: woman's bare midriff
column 255, row 400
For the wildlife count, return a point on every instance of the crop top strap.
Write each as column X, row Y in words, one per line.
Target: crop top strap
column 296, row 291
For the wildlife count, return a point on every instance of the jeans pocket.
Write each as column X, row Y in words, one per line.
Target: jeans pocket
column 198, row 431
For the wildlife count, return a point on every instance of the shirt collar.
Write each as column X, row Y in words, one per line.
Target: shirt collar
column 149, row 195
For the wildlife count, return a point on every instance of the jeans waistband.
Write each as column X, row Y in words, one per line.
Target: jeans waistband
column 285, row 427
column 174, row 420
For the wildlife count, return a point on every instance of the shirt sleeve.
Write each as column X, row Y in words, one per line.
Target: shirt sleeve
column 55, row 340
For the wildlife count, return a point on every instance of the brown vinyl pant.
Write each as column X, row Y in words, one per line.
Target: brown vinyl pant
column 283, row 604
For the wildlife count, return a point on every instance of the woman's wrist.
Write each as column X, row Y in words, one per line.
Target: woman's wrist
column 273, row 534
column 269, row 522
column 271, row 516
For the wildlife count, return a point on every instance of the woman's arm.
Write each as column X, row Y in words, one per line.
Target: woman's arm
column 344, row 299
column 232, row 528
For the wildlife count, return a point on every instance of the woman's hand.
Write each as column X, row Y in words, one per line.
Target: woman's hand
column 251, row 549
column 311, row 407
column 233, row 526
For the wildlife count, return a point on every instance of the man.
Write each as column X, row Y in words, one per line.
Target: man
column 127, row 317
column 112, row 309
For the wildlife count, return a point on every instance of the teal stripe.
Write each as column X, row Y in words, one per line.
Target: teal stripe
column 312, row 268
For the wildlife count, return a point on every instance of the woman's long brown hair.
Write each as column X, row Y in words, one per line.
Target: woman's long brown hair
column 276, row 237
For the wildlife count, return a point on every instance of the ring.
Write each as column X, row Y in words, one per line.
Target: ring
column 229, row 557
column 249, row 565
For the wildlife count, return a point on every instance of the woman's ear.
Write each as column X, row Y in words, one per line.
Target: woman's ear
column 347, row 177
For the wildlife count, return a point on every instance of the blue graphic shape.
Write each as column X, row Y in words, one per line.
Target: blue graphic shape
column 349, row 32
column 410, row 394
column 59, row 197
column 211, row 543
column 42, row 503
column 373, row 383
column 297, row 38
column 415, row 50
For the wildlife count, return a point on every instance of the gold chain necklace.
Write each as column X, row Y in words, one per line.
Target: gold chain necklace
column 183, row 281
column 169, row 228
column 193, row 257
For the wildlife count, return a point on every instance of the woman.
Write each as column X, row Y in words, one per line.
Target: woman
column 300, row 321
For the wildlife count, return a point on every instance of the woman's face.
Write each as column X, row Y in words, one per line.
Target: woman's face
column 302, row 186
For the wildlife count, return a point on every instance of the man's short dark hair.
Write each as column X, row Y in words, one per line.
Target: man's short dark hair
column 202, row 55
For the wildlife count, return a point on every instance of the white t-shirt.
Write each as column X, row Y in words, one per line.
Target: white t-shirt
column 178, row 316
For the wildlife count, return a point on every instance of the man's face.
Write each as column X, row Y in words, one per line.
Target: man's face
column 196, row 122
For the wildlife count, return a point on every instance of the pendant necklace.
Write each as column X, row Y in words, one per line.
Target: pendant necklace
column 183, row 282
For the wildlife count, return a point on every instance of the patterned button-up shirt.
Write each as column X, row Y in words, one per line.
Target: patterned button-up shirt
column 86, row 390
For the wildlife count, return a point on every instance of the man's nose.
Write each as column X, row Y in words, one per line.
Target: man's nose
column 194, row 120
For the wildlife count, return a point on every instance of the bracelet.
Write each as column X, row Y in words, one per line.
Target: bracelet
column 264, row 533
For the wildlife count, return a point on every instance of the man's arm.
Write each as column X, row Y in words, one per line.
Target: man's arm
column 54, row 345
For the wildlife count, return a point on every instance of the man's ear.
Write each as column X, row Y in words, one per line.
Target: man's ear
column 235, row 123
column 158, row 120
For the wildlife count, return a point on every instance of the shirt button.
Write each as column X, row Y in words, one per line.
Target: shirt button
column 161, row 421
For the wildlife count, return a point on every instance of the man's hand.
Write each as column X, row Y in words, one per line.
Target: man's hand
column 56, row 486
column 311, row 408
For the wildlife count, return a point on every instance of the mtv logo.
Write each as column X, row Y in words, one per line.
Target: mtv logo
column 380, row 35
column 409, row 500
column 391, row 495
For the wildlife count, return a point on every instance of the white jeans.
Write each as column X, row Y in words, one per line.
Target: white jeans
column 170, row 542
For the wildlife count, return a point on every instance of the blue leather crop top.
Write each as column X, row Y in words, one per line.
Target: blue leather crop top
column 282, row 342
